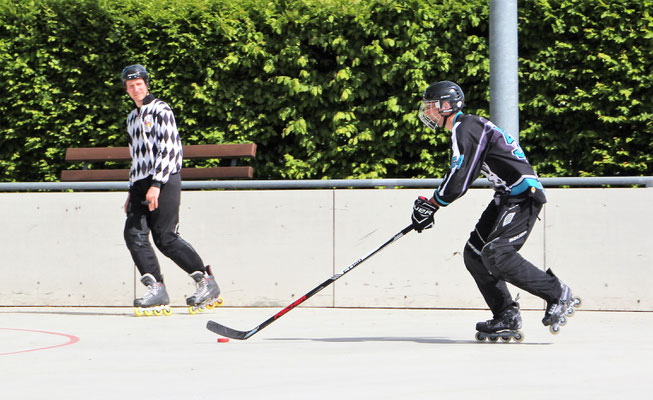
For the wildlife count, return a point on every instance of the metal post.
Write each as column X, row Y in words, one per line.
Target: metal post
column 504, row 85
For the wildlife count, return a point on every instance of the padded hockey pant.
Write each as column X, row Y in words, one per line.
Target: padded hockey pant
column 163, row 222
column 491, row 255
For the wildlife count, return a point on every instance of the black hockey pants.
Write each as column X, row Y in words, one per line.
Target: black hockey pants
column 491, row 254
column 163, row 222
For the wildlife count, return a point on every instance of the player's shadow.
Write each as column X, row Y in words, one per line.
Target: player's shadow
column 422, row 340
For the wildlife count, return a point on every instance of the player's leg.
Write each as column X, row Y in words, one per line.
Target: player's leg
column 506, row 318
column 136, row 233
column 164, row 222
column 500, row 255
column 494, row 290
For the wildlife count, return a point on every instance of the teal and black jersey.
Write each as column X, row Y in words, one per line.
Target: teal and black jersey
column 480, row 147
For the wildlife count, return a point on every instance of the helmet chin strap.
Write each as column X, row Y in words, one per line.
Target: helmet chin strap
column 446, row 118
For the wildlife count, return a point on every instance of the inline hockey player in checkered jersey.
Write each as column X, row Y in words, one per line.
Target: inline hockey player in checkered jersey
column 491, row 253
column 153, row 201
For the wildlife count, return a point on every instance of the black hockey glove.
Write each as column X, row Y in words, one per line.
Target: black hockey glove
column 423, row 211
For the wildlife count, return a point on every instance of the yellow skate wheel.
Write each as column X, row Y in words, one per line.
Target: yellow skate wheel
column 167, row 311
column 220, row 302
column 138, row 312
column 148, row 313
column 209, row 306
column 193, row 310
column 158, row 313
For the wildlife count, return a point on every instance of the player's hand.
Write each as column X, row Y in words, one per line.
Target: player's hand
column 152, row 197
column 423, row 211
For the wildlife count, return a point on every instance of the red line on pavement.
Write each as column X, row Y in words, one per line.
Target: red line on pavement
column 71, row 340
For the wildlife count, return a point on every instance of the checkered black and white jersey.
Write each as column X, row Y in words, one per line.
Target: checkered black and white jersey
column 154, row 142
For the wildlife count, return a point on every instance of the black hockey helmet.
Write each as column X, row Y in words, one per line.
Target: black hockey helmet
column 436, row 95
column 136, row 71
column 446, row 91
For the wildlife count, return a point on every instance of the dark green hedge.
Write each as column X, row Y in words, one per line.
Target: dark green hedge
column 326, row 88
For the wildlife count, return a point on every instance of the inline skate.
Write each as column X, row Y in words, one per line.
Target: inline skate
column 558, row 312
column 155, row 301
column 207, row 295
column 505, row 326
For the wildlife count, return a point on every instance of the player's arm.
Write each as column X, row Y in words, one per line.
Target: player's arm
column 464, row 169
column 167, row 147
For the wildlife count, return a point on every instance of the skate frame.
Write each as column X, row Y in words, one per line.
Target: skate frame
column 243, row 335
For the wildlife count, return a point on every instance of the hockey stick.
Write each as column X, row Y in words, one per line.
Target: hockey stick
column 242, row 335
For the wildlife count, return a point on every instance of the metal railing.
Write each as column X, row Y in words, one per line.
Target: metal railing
column 646, row 181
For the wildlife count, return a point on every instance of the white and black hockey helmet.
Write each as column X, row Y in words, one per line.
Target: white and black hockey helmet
column 445, row 96
column 136, row 71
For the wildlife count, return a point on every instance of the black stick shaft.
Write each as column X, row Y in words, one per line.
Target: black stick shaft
column 235, row 334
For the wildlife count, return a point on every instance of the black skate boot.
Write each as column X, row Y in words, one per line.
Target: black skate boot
column 155, row 301
column 504, row 326
column 207, row 294
column 557, row 312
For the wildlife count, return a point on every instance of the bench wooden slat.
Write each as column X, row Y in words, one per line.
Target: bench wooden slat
column 199, row 151
column 100, row 175
column 98, row 154
column 81, row 175
column 217, row 172
column 206, row 151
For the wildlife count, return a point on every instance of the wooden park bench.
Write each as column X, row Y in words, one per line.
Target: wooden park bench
column 233, row 152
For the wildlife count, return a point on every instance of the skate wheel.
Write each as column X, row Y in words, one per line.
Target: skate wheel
column 138, row 312
column 148, row 313
column 493, row 339
column 209, row 306
column 158, row 313
column 219, row 302
column 571, row 312
column 554, row 329
column 167, row 312
column 519, row 337
column 479, row 337
column 563, row 320
column 193, row 310
column 577, row 301
column 505, row 339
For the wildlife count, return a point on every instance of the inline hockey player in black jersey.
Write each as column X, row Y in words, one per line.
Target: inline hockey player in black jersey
column 491, row 253
column 153, row 200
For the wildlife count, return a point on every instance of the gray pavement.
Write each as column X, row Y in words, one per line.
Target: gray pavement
column 318, row 353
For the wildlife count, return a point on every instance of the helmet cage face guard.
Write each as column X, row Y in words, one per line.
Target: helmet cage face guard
column 425, row 116
column 443, row 107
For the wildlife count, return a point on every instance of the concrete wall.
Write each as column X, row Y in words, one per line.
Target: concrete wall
column 270, row 247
